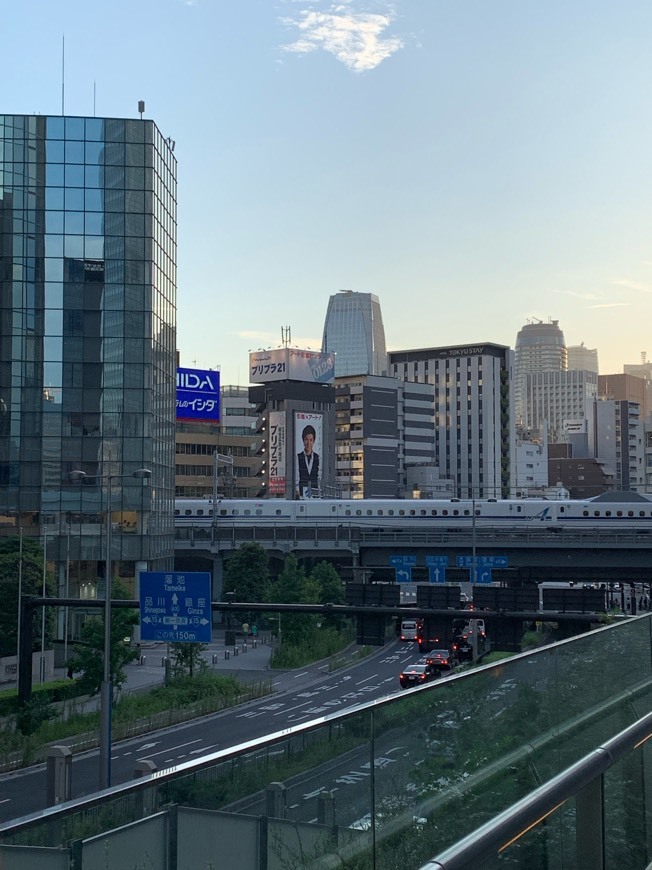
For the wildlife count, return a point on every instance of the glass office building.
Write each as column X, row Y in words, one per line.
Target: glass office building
column 353, row 329
column 87, row 340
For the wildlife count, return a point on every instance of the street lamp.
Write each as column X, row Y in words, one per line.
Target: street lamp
column 106, row 692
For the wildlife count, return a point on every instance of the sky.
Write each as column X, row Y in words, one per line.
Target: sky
column 475, row 165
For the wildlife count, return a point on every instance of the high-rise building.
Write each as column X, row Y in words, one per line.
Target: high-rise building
column 353, row 329
column 223, row 458
column 618, row 434
column 383, row 434
column 87, row 340
column 581, row 358
column 474, row 428
column 557, row 399
column 540, row 347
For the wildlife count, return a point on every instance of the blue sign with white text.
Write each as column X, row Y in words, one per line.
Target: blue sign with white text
column 198, row 395
column 440, row 561
column 482, row 561
column 402, row 560
column 175, row 606
column 436, row 574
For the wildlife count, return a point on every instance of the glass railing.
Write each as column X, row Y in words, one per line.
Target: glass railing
column 385, row 785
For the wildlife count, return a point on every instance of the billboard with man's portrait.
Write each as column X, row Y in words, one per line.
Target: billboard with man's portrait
column 308, row 441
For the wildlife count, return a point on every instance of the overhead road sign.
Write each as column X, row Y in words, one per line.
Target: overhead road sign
column 440, row 561
column 398, row 561
column 482, row 561
column 175, row 606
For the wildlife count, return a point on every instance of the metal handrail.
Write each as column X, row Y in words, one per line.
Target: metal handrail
column 504, row 829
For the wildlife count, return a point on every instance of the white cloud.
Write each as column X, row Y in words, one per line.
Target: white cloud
column 610, row 305
column 633, row 285
column 354, row 38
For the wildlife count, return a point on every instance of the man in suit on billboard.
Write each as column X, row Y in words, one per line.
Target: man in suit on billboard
column 308, row 462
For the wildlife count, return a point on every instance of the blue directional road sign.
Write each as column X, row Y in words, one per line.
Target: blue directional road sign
column 175, row 606
column 398, row 561
column 482, row 575
column 482, row 561
column 403, row 566
column 437, row 568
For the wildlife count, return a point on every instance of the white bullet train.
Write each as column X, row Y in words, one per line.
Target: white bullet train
column 633, row 512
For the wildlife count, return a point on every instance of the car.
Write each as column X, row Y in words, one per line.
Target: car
column 441, row 659
column 417, row 675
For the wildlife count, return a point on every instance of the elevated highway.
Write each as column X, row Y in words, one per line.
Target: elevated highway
column 589, row 555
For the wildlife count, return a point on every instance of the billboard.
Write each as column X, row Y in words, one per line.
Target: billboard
column 277, row 452
column 291, row 364
column 198, row 395
column 308, row 432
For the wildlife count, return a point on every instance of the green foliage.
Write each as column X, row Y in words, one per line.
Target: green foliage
column 87, row 658
column 324, row 643
column 293, row 587
column 547, row 633
column 32, row 714
column 32, row 584
column 187, row 659
column 247, row 574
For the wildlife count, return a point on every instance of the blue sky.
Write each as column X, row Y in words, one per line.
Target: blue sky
column 473, row 164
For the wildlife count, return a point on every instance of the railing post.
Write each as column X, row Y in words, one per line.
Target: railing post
column 589, row 826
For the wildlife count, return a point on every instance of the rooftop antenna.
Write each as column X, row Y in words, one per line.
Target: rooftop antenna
column 643, row 357
column 63, row 73
column 93, row 97
column 286, row 336
column 141, row 108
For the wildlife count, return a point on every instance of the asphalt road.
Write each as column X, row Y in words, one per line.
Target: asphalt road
column 298, row 696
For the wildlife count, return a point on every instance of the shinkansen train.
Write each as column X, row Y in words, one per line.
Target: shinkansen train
column 404, row 514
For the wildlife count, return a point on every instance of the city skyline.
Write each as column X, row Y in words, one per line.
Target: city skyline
column 474, row 168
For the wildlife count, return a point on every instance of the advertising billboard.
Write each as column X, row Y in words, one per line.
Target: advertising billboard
column 308, row 432
column 277, row 452
column 198, row 395
column 291, row 364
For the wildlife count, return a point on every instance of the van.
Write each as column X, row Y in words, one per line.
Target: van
column 409, row 629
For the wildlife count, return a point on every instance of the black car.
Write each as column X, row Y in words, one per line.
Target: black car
column 417, row 675
column 440, row 658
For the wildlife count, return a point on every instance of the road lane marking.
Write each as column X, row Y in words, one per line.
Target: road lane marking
column 172, row 748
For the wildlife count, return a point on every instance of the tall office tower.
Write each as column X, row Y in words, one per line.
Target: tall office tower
column 581, row 358
column 384, row 436
column 632, row 388
column 618, row 434
column 540, row 347
column 353, row 329
column 87, row 341
column 558, row 401
column 474, row 428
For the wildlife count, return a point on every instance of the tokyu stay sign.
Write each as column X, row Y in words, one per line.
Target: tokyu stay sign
column 175, row 606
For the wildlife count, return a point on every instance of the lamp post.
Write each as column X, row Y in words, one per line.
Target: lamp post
column 106, row 691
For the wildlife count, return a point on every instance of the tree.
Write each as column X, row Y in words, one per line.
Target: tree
column 247, row 573
column 88, row 656
column 331, row 590
column 32, row 584
column 293, row 587
column 188, row 658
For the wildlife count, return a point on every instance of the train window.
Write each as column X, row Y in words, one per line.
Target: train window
column 188, row 512
column 177, row 513
column 444, row 513
column 210, row 513
column 641, row 513
column 247, row 513
column 278, row 512
column 401, row 513
column 630, row 513
column 358, row 513
column 259, row 513
column 585, row 513
column 466, row 512
column 619, row 513
column 456, row 513
column 413, row 513
column 380, row 513
column 200, row 512
column 434, row 513
column 596, row 513
column 370, row 513
column 562, row 509
column 347, row 512
column 390, row 513
column 607, row 513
